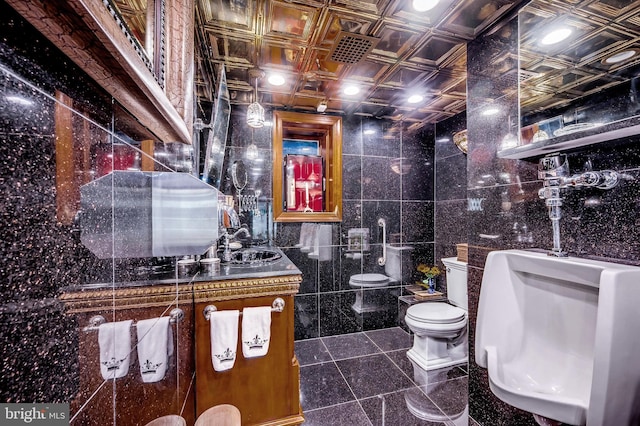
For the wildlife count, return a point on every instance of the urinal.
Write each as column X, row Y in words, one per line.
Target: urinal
column 559, row 336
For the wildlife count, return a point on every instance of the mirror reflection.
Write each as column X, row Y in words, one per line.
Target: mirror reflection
column 142, row 21
column 217, row 135
column 578, row 66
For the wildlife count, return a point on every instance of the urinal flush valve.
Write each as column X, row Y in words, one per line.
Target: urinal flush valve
column 554, row 171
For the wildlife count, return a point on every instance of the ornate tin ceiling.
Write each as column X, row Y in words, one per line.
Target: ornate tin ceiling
column 385, row 47
column 552, row 76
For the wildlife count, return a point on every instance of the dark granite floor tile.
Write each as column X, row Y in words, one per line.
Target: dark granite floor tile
column 451, row 396
column 349, row 413
column 373, row 375
column 349, row 345
column 306, row 318
column 337, row 315
column 311, row 351
column 322, row 385
column 400, row 359
column 407, row 407
column 473, row 422
column 422, row 377
column 390, row 339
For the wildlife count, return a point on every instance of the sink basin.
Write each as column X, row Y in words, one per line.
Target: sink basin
column 254, row 256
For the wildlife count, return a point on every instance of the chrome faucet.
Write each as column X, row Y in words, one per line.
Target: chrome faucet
column 226, row 252
column 554, row 170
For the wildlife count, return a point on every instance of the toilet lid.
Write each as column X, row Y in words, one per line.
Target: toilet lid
column 369, row 279
column 436, row 312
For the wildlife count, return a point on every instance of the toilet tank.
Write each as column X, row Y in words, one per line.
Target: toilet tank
column 398, row 263
column 456, row 281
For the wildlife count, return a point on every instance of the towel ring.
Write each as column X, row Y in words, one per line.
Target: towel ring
column 276, row 306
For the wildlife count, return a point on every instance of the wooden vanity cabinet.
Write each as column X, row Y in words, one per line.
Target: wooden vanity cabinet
column 133, row 401
column 265, row 389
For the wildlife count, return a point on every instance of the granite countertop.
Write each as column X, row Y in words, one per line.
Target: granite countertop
column 280, row 267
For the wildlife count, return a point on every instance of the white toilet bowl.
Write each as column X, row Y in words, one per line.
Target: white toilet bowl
column 440, row 329
column 422, row 408
column 371, row 284
column 367, row 300
column 436, row 383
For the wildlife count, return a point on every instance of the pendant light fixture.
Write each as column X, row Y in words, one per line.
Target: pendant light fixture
column 255, row 112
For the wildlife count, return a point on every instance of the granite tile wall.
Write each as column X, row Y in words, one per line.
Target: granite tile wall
column 385, row 175
column 505, row 211
column 41, row 250
column 39, row 255
column 450, row 190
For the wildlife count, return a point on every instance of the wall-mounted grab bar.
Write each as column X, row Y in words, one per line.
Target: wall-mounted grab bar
column 175, row 316
column 276, row 306
column 382, row 260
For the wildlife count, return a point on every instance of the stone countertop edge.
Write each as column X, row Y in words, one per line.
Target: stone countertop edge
column 282, row 267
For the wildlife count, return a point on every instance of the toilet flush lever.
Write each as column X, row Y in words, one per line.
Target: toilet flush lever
column 382, row 260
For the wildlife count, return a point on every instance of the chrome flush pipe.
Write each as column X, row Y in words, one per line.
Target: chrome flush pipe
column 554, row 171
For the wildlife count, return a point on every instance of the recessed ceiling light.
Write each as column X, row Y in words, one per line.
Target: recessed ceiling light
column 351, row 90
column 414, row 99
column 619, row 57
column 18, row 100
column 556, row 36
column 276, row 79
column 424, row 5
column 490, row 111
column 369, row 132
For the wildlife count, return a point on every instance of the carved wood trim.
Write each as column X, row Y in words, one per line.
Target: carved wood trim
column 126, row 298
column 89, row 300
column 86, row 32
column 245, row 288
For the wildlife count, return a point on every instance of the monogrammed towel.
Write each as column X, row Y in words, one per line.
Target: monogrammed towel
column 256, row 331
column 114, row 340
column 224, row 338
column 155, row 346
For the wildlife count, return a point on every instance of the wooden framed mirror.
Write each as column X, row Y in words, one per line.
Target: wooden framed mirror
column 89, row 34
column 307, row 172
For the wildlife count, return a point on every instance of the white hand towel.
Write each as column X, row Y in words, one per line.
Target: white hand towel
column 114, row 340
column 224, row 338
column 155, row 346
column 322, row 243
column 256, row 331
column 306, row 237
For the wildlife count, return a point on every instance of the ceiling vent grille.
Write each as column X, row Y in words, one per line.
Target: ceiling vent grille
column 350, row 48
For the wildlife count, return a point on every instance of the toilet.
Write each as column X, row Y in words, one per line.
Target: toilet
column 434, row 383
column 421, row 407
column 368, row 300
column 439, row 328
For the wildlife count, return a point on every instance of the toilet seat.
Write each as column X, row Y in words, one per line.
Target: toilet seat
column 436, row 313
column 368, row 280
